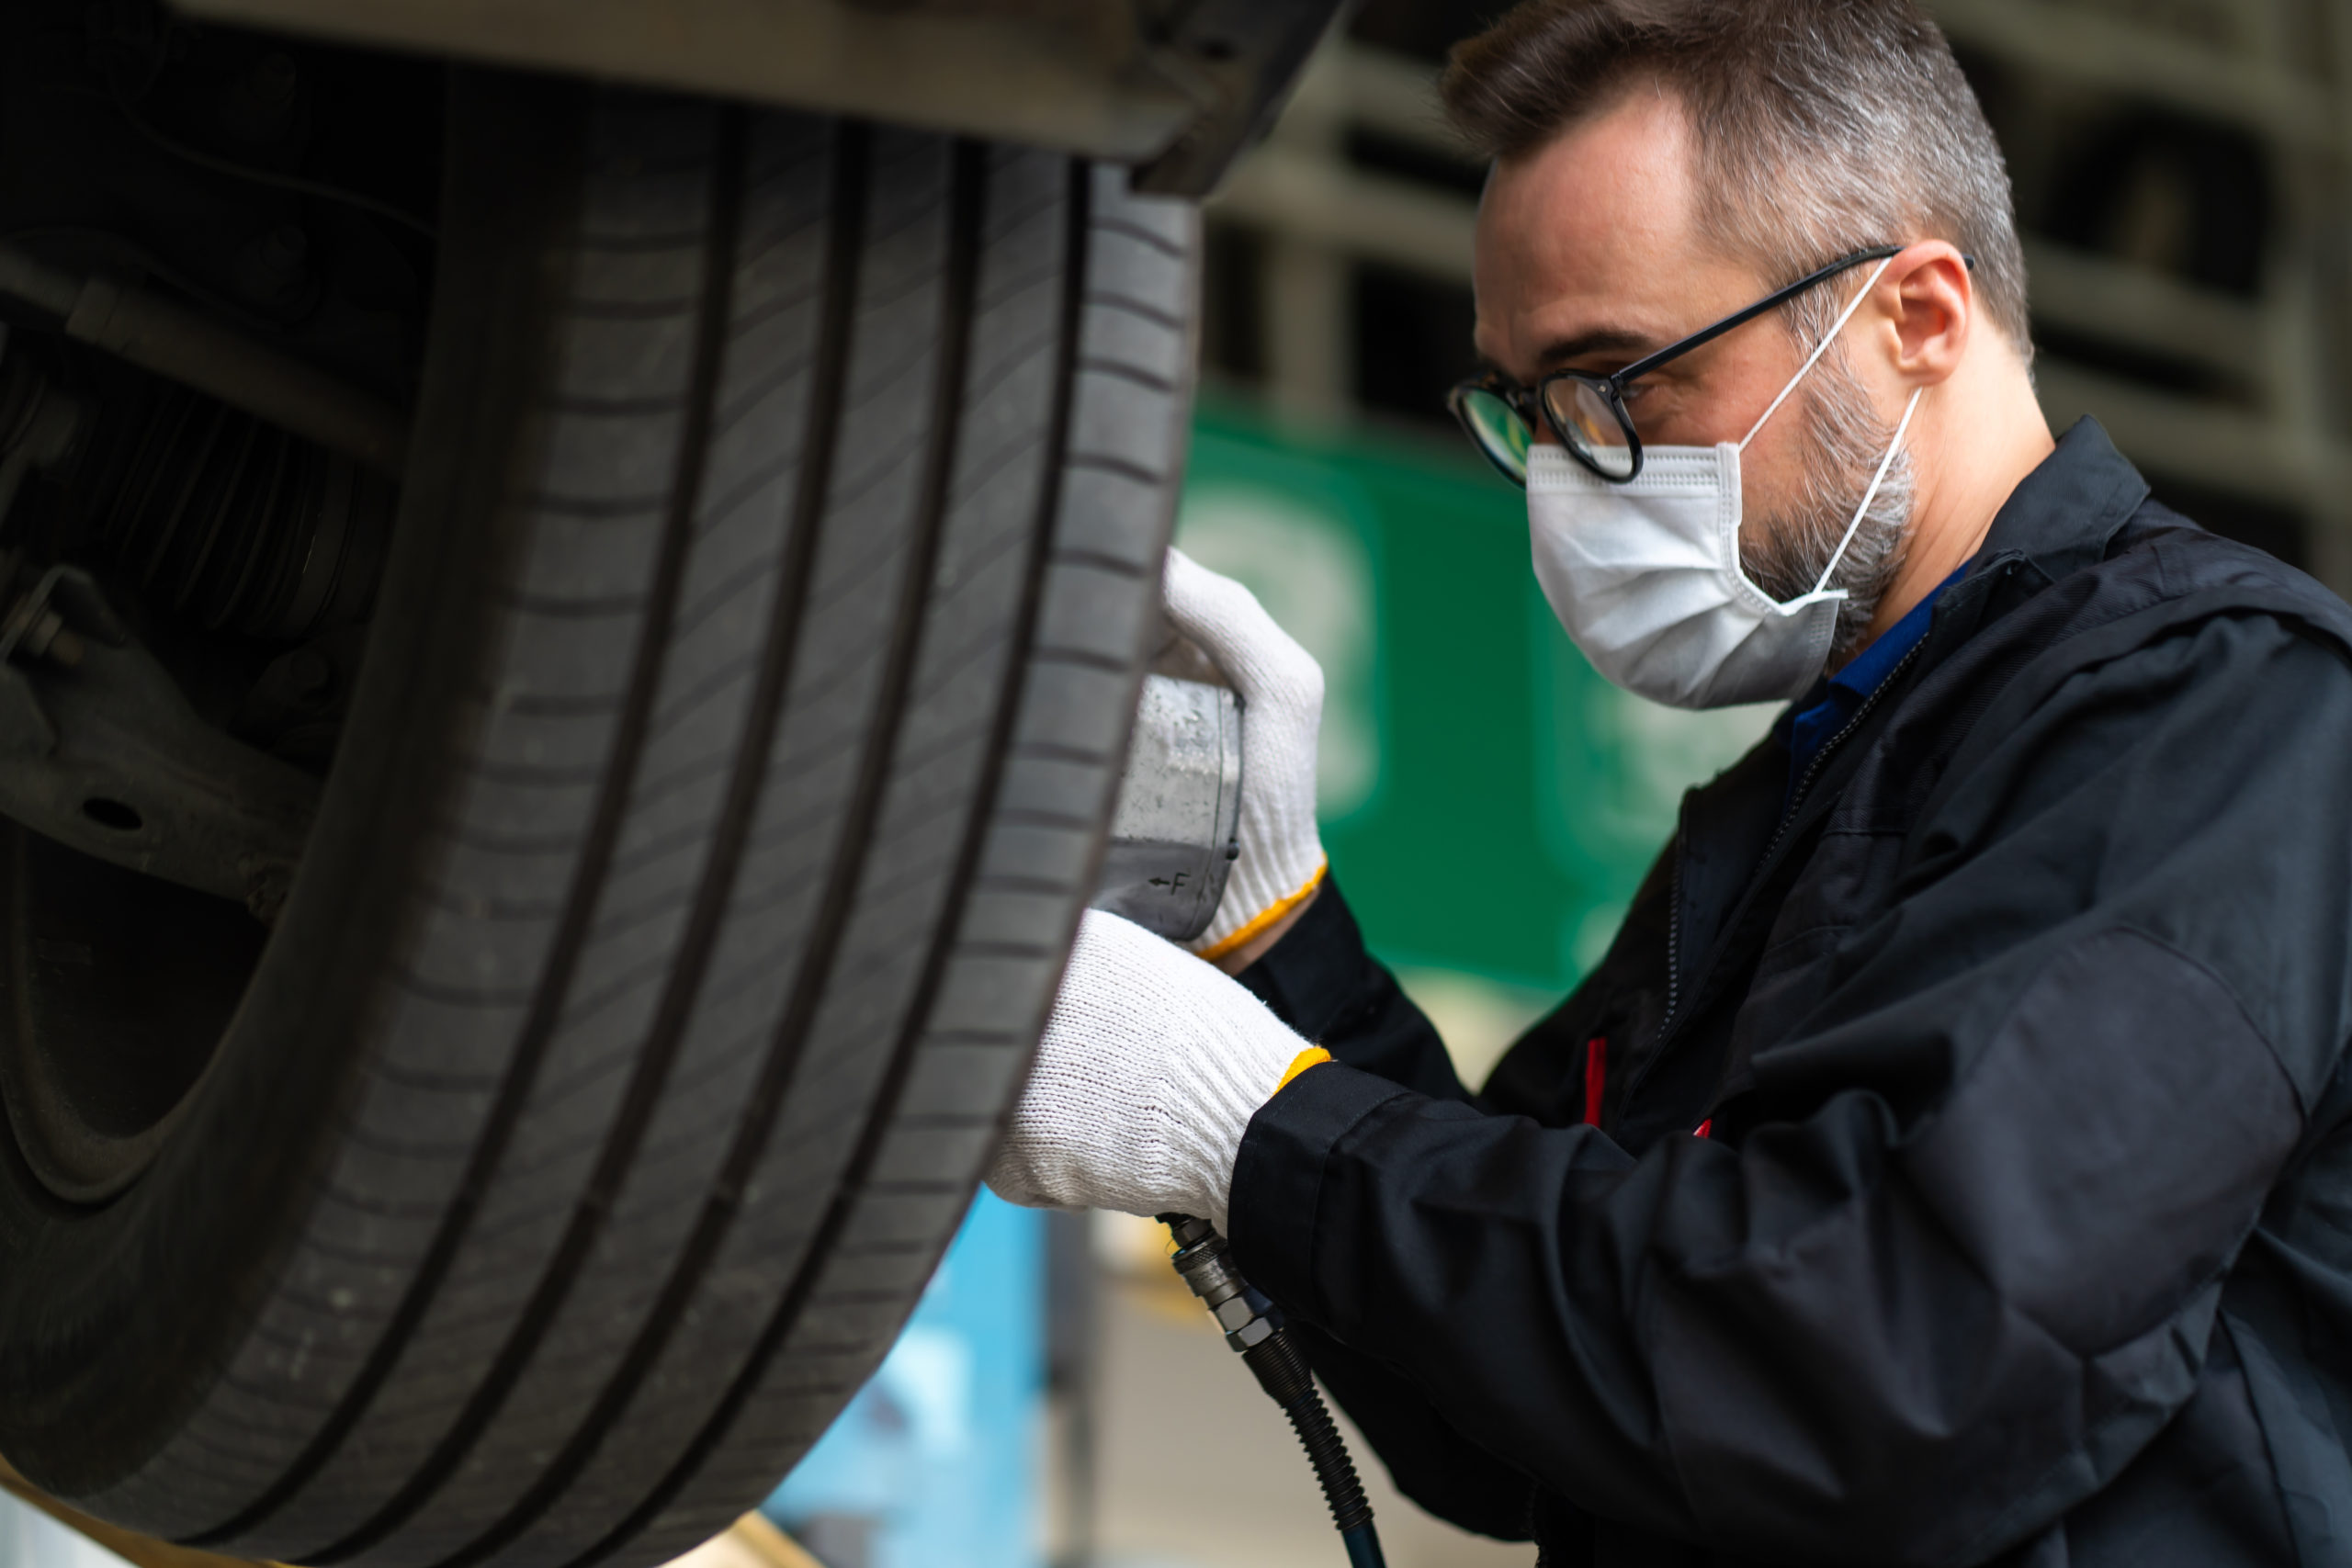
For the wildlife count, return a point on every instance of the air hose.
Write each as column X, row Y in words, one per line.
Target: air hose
column 1252, row 1327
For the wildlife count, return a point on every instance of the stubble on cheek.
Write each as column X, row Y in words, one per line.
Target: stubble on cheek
column 1785, row 549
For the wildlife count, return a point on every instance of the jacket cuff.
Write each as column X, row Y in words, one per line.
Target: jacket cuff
column 1317, row 971
column 1278, row 1178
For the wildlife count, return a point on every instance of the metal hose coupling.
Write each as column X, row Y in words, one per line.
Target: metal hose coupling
column 1253, row 1327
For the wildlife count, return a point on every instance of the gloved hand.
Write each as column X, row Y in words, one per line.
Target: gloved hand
column 1281, row 687
column 1151, row 1066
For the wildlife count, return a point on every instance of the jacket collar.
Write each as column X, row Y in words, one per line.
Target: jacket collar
column 2059, row 520
column 2062, row 515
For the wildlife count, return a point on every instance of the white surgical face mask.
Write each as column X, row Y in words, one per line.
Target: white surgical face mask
column 1645, row 576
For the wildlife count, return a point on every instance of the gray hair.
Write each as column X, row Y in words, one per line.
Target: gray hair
column 1821, row 126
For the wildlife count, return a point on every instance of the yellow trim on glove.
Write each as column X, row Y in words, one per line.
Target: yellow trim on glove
column 1313, row 1056
column 1259, row 926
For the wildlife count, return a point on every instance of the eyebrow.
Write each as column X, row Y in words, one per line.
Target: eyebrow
column 1601, row 340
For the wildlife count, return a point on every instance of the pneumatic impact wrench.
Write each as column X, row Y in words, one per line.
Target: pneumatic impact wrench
column 1172, row 842
column 1252, row 1327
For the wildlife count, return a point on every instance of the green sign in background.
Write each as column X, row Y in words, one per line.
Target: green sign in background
column 1488, row 802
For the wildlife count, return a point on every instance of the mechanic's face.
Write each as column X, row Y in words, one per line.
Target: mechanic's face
column 1590, row 255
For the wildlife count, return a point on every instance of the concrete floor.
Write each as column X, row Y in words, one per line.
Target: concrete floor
column 1197, row 1468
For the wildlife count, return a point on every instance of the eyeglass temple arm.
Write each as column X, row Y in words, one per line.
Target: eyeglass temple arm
column 1642, row 367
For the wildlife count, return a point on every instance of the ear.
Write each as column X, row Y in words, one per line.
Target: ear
column 1929, row 303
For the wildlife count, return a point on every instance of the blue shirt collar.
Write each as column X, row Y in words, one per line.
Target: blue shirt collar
column 1821, row 713
column 1868, row 669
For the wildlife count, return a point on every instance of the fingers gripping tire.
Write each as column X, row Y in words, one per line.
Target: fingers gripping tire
column 735, row 746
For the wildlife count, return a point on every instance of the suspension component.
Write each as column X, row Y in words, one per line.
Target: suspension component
column 228, row 523
column 102, row 752
column 40, row 428
column 136, row 326
column 232, row 524
column 238, row 525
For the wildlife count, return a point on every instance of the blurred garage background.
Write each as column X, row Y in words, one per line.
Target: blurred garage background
column 2181, row 170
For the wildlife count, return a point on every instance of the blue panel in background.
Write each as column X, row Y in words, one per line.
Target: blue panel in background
column 936, row 1460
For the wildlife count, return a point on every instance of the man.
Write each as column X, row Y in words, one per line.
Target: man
column 1949, row 1163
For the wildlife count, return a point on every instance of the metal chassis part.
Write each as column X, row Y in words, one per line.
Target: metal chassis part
column 40, row 426
column 1181, row 94
column 186, row 348
column 100, row 751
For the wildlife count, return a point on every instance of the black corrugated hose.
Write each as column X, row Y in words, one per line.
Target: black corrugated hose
column 1253, row 1327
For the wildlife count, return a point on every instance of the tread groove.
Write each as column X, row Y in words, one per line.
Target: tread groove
column 1098, row 561
column 1121, row 370
column 537, row 1034
column 812, row 506
column 716, row 946
column 1129, row 304
column 1159, row 242
column 971, row 162
column 665, row 1036
column 1110, row 463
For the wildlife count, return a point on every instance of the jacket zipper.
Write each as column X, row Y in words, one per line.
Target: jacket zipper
column 1813, row 770
column 1673, row 1020
column 1674, row 925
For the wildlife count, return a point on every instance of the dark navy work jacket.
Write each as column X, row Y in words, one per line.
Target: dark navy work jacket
column 2020, row 1231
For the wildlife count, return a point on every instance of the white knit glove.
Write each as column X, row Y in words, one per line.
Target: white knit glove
column 1282, row 711
column 1151, row 1066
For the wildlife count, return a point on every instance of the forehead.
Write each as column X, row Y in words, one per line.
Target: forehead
column 1597, row 231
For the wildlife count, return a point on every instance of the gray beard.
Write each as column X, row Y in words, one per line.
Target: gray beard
column 1784, row 552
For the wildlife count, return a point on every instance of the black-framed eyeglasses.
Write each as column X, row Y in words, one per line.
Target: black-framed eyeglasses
column 1587, row 412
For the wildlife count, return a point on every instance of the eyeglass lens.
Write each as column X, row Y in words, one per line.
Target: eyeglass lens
column 1582, row 412
column 1496, row 426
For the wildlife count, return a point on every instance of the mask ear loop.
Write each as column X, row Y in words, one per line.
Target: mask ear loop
column 1819, row 349
column 1871, row 494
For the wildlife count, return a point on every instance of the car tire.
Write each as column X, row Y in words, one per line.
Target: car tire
column 741, row 719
